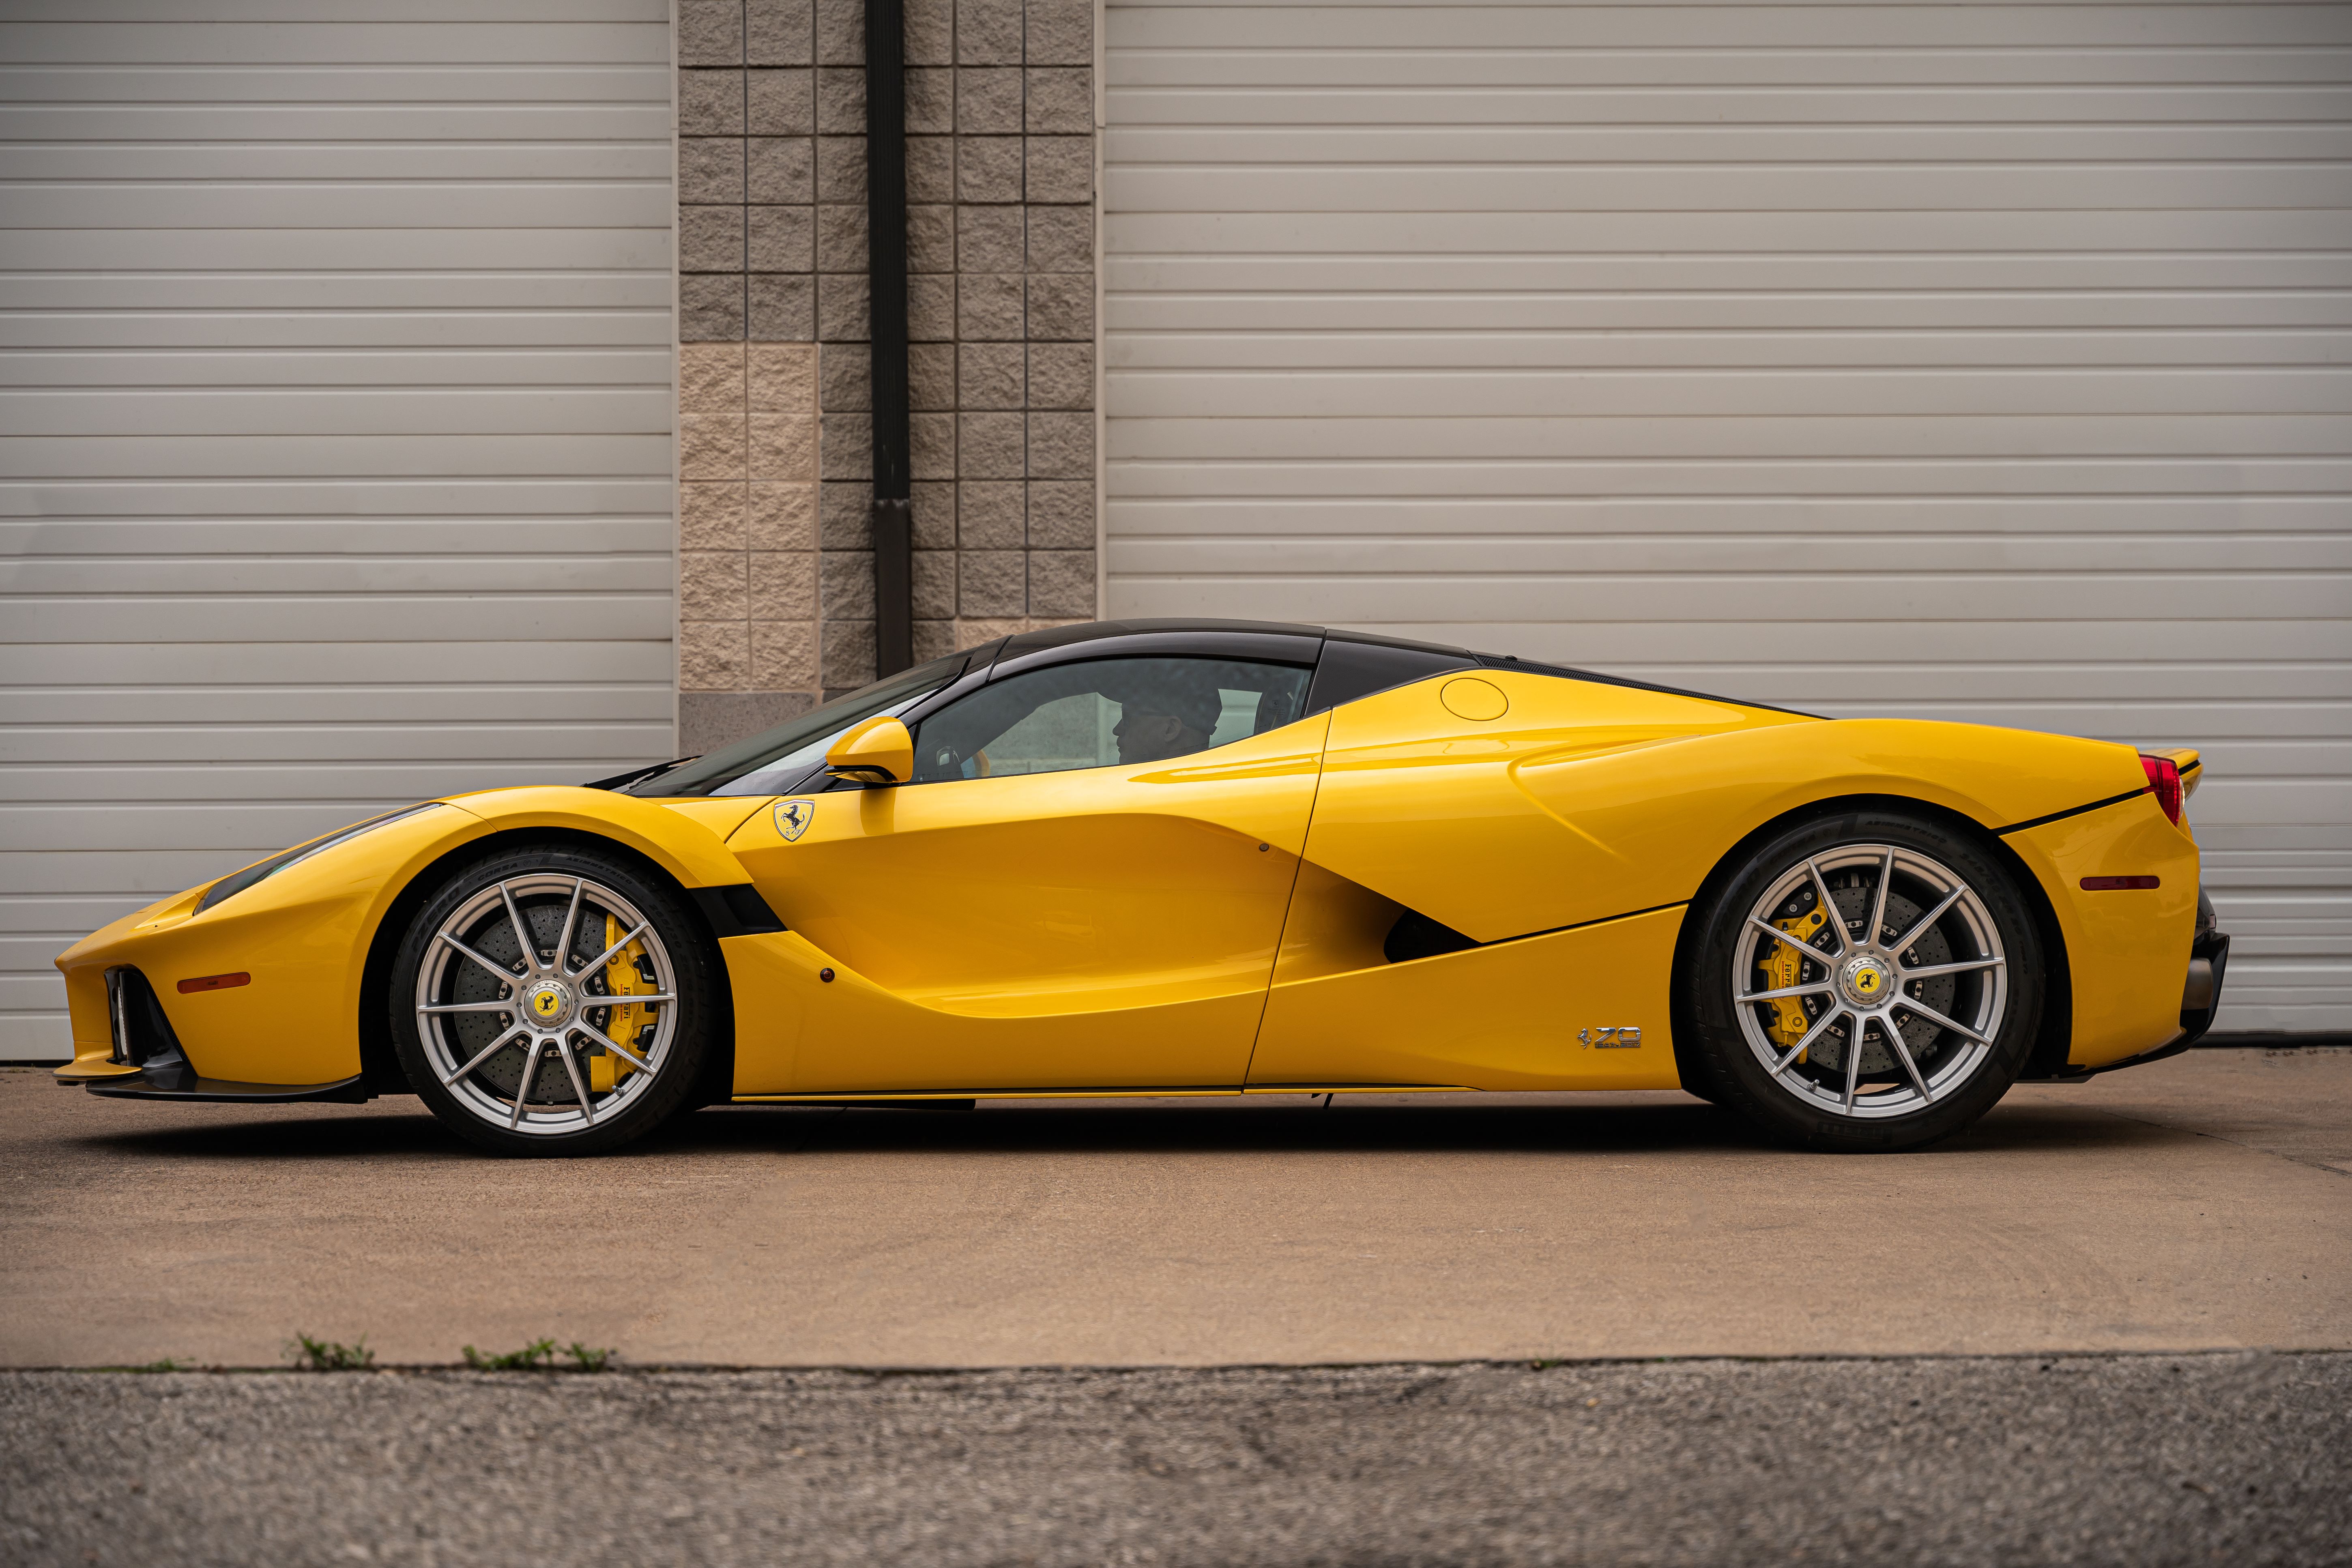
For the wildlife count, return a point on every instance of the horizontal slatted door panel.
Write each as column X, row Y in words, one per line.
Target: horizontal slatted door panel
column 1989, row 363
column 335, row 430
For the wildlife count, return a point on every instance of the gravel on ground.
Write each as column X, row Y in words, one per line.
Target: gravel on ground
column 2241, row 1457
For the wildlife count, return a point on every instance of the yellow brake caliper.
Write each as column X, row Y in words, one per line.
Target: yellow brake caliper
column 1782, row 969
column 621, row 979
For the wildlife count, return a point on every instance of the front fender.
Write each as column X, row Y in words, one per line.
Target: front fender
column 300, row 937
column 303, row 935
column 693, row 855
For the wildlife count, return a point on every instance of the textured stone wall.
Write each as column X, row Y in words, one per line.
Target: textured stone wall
column 1021, row 150
column 777, row 606
column 747, row 538
column 749, row 645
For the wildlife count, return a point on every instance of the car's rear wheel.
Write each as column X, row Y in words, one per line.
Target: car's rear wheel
column 1871, row 981
column 552, row 1001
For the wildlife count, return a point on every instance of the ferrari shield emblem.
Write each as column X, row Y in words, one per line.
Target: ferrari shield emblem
column 793, row 816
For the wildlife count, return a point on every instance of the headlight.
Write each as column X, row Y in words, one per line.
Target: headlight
column 230, row 886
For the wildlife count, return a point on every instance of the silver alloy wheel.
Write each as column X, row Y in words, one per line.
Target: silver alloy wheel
column 519, row 998
column 1887, row 1003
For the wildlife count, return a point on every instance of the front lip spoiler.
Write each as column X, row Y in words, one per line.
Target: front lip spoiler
column 184, row 1085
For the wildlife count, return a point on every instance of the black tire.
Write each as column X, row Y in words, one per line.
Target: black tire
column 1926, row 1081
column 536, row 882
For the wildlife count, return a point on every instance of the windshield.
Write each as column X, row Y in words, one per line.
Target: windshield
column 773, row 762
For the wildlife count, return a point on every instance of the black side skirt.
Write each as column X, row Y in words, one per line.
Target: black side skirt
column 350, row 1090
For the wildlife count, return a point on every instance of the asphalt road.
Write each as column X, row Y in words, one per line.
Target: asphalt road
column 2147, row 1461
column 2204, row 1203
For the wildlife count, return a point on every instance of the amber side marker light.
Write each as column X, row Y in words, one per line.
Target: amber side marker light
column 2119, row 884
column 216, row 982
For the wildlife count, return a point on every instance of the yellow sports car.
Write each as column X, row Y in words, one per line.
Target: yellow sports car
column 1154, row 857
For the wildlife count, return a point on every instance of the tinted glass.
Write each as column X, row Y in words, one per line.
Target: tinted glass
column 1354, row 669
column 774, row 760
column 1104, row 712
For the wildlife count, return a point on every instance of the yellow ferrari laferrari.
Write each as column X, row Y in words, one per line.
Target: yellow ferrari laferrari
column 1158, row 857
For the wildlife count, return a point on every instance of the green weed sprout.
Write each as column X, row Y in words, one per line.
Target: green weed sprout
column 326, row 1355
column 539, row 1356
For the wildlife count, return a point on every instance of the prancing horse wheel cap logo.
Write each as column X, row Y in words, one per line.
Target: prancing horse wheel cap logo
column 1865, row 979
column 793, row 816
column 546, row 1002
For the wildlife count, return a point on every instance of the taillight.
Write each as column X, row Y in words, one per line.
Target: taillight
column 2164, row 779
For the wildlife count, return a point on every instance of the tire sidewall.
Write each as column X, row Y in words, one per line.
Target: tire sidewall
column 691, row 957
column 1740, row 1082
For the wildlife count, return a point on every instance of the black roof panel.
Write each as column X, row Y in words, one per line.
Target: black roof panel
column 1093, row 631
column 1017, row 648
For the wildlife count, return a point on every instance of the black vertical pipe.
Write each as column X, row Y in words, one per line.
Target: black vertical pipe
column 886, row 242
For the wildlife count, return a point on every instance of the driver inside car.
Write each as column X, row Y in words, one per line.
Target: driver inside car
column 1170, row 718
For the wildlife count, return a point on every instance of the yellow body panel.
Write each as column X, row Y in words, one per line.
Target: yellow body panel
column 1112, row 900
column 302, row 934
column 796, row 1033
column 1585, row 801
column 2127, row 949
column 683, row 842
column 1218, row 921
column 721, row 814
column 1501, row 1018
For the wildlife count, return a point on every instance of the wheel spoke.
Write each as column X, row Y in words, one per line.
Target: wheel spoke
column 605, row 957
column 1802, row 946
column 1854, row 1060
column 505, row 1007
column 1903, row 1055
column 615, row 1046
column 500, row 970
column 630, row 999
column 1925, row 920
column 1930, row 970
column 1878, row 912
column 1810, row 1036
column 571, row 918
column 1785, row 990
column 522, row 1090
column 572, row 1070
column 1829, row 905
column 1937, row 1018
column 487, row 1052
column 521, row 930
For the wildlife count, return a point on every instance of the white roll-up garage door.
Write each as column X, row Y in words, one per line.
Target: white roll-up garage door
column 335, row 348
column 1976, row 361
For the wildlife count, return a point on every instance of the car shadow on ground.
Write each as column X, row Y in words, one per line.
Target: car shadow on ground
column 397, row 1129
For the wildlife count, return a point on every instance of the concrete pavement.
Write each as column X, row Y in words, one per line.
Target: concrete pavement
column 2204, row 1203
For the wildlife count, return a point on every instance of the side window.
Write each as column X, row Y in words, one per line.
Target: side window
column 1104, row 712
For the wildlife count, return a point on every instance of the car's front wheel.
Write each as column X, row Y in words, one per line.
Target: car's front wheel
column 1871, row 981
column 552, row 1001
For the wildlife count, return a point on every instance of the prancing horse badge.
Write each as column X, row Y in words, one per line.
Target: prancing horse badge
column 793, row 816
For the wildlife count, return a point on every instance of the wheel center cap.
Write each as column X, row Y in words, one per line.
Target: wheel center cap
column 1866, row 981
column 549, row 1004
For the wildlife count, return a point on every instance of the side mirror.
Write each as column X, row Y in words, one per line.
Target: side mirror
column 879, row 750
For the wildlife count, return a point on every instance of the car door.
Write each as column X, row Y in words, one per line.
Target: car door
column 1492, row 888
column 1080, row 889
